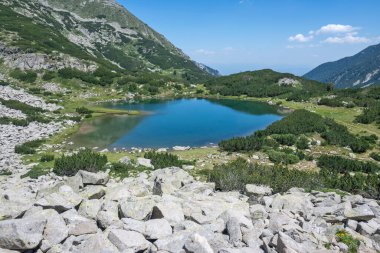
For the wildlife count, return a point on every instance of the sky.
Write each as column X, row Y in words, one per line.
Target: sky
column 285, row 35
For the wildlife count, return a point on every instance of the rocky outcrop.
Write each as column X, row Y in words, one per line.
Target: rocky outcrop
column 131, row 216
column 9, row 93
column 15, row 58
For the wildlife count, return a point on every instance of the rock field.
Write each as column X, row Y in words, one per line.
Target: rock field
column 169, row 211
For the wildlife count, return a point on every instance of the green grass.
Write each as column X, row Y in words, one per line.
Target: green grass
column 346, row 238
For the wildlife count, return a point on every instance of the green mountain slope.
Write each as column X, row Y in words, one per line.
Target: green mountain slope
column 86, row 35
column 265, row 83
column 360, row 70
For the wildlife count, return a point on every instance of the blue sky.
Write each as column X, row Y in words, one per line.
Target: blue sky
column 285, row 35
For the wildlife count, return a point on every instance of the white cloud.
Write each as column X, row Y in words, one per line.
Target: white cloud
column 336, row 28
column 347, row 39
column 333, row 34
column 204, row 52
column 301, row 38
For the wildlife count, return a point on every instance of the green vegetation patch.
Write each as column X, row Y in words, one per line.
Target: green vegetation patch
column 24, row 76
column 342, row 165
column 165, row 160
column 28, row 147
column 346, row 238
column 87, row 160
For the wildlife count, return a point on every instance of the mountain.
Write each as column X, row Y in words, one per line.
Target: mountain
column 265, row 83
column 85, row 35
column 360, row 70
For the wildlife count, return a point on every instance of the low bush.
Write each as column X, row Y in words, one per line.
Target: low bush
column 24, row 76
column 47, row 158
column 2, row 83
column 164, row 160
column 375, row 156
column 83, row 111
column 121, row 170
column 341, row 164
column 29, row 147
column 285, row 139
column 279, row 157
column 87, row 160
column 36, row 172
column 302, row 143
column 16, row 122
column 236, row 174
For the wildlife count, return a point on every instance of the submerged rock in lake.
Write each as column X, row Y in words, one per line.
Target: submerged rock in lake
column 169, row 211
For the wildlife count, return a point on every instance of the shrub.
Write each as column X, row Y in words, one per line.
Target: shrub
column 121, row 169
column 341, row 164
column 236, row 174
column 282, row 157
column 164, row 160
column 16, row 122
column 302, row 143
column 36, row 172
column 83, row 110
column 375, row 156
column 47, row 158
column 232, row 176
column 24, row 76
column 2, row 83
column 87, row 160
column 48, row 76
column 285, row 139
column 250, row 143
column 28, row 147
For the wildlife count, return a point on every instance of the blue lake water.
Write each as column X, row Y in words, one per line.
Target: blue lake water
column 181, row 122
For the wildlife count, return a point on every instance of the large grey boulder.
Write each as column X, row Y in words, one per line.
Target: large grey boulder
column 64, row 199
column 55, row 229
column 359, row 213
column 93, row 192
column 144, row 162
column 157, row 228
column 97, row 243
column 173, row 243
column 169, row 211
column 90, row 208
column 21, row 234
column 133, row 225
column 295, row 202
column 137, row 208
column 128, row 240
column 79, row 225
column 100, row 178
column 108, row 215
column 198, row 244
column 257, row 190
column 167, row 181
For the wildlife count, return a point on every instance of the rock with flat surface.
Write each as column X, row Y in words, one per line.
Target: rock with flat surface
column 21, row 234
column 138, row 209
column 90, row 208
column 64, row 199
column 359, row 213
column 128, row 240
column 169, row 211
column 198, row 244
column 144, row 162
column 100, row 178
column 157, row 228
column 257, row 190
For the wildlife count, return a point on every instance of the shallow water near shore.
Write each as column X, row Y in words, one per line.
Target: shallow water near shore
column 179, row 122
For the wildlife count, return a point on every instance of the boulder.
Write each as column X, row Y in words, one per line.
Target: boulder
column 169, row 211
column 133, row 225
column 55, row 229
column 21, row 234
column 144, row 162
column 128, row 240
column 64, row 199
column 198, row 244
column 125, row 160
column 257, row 190
column 100, row 178
column 156, row 229
column 173, row 243
column 108, row 215
column 90, row 208
column 138, row 209
column 79, row 225
column 359, row 213
column 93, row 192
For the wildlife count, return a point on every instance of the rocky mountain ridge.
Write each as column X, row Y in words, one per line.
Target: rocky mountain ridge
column 60, row 34
column 360, row 70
